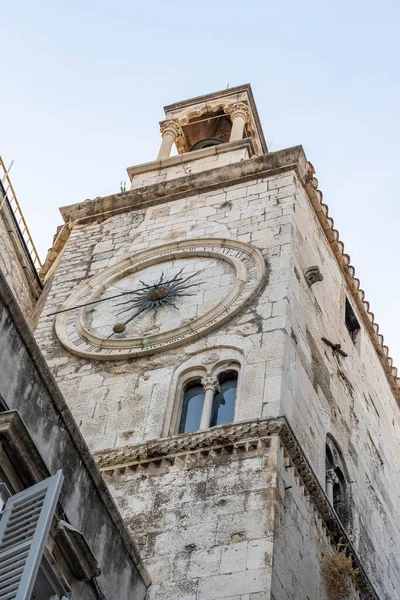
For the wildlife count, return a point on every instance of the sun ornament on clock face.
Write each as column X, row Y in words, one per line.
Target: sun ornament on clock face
column 160, row 299
column 154, row 296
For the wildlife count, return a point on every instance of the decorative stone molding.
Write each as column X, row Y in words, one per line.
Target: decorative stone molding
column 237, row 440
column 238, row 109
column 210, row 359
column 171, row 127
column 233, row 435
column 210, row 383
column 313, row 275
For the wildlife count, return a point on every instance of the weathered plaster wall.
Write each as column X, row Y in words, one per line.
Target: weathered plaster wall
column 348, row 398
column 27, row 386
column 15, row 266
column 126, row 402
column 205, row 527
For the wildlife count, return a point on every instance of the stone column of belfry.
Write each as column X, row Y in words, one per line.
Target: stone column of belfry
column 170, row 131
column 210, row 386
column 331, row 479
column 239, row 113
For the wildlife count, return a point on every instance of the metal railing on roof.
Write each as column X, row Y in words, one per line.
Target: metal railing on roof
column 11, row 198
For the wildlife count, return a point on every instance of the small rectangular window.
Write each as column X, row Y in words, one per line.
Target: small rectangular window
column 352, row 324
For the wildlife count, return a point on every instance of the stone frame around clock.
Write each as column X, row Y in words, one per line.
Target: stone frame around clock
column 248, row 281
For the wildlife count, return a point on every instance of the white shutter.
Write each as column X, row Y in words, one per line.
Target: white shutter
column 24, row 528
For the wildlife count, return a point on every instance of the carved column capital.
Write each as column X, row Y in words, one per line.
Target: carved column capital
column 171, row 127
column 331, row 476
column 210, row 383
column 238, row 109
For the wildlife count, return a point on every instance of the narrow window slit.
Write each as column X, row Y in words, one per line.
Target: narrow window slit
column 352, row 324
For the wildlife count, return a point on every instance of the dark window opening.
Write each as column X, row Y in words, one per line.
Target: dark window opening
column 209, row 129
column 192, row 407
column 206, row 143
column 224, row 401
column 352, row 324
column 338, row 492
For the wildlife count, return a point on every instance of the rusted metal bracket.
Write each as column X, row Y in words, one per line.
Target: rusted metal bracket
column 335, row 347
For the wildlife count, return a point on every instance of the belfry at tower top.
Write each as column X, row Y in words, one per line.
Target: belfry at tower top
column 223, row 127
column 216, row 118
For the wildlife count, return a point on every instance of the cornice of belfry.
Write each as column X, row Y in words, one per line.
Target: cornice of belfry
column 233, row 442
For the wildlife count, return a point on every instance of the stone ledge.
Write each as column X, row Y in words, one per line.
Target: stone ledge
column 157, row 165
column 265, row 165
column 240, row 435
column 239, row 438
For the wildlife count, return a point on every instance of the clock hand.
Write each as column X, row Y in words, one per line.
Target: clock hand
column 130, row 319
column 57, row 312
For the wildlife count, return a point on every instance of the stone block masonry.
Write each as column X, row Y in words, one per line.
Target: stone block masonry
column 113, row 403
column 205, row 532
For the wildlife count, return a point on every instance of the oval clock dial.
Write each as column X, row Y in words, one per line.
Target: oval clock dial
column 160, row 298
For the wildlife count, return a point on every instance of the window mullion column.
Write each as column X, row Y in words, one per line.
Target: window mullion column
column 331, row 478
column 210, row 386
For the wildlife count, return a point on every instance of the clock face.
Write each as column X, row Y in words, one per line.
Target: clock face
column 161, row 298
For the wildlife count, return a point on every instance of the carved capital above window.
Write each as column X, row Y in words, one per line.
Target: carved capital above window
column 210, row 383
column 238, row 109
column 171, row 127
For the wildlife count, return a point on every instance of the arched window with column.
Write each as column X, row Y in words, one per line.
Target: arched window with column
column 337, row 486
column 208, row 402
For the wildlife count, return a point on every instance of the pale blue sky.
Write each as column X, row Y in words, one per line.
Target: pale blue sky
column 83, row 85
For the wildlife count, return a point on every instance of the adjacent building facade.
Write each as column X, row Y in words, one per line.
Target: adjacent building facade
column 61, row 535
column 213, row 344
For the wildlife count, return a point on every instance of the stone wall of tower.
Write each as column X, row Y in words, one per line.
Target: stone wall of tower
column 205, row 525
column 301, row 546
column 124, row 403
column 346, row 397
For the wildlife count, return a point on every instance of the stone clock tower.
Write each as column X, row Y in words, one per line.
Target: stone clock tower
column 212, row 341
